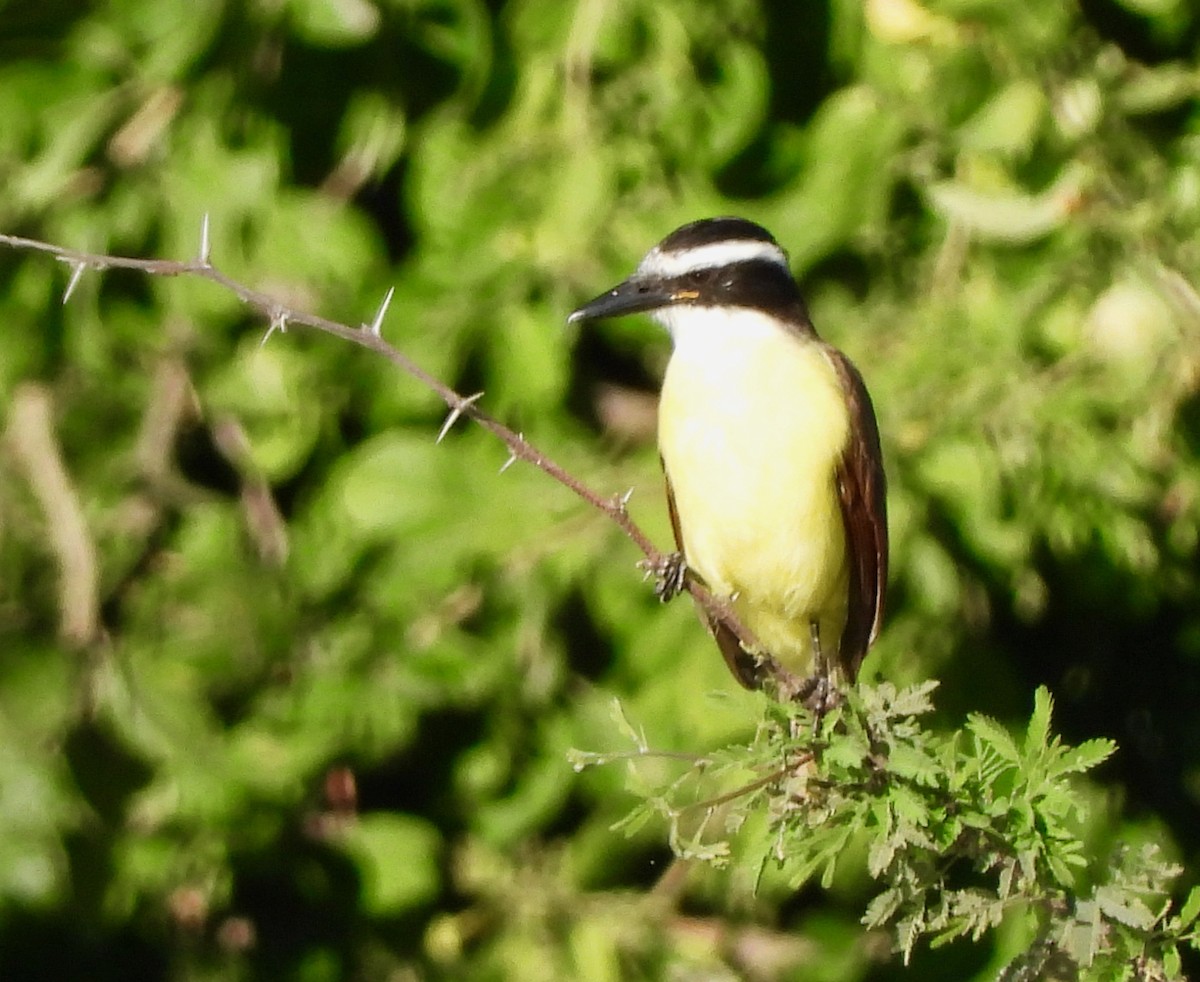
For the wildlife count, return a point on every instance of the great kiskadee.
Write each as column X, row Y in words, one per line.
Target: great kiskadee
column 768, row 438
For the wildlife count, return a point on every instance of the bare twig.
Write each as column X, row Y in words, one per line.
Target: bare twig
column 171, row 404
column 265, row 524
column 279, row 316
column 33, row 444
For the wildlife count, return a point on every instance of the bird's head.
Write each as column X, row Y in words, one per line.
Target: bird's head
column 715, row 263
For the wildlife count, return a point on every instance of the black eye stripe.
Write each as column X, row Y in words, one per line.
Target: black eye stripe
column 757, row 283
column 750, row 271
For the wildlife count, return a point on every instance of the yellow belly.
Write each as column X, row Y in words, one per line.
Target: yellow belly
column 752, row 424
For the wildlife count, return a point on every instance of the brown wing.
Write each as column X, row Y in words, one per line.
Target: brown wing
column 862, row 494
column 745, row 667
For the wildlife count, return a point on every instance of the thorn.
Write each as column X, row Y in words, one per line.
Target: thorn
column 278, row 323
column 455, row 412
column 376, row 326
column 205, row 246
column 620, row 502
column 512, row 457
column 77, row 269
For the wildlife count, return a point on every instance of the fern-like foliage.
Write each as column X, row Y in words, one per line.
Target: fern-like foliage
column 963, row 830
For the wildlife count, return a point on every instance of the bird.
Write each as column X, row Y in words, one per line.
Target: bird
column 771, row 452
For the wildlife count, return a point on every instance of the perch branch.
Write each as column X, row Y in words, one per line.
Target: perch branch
column 280, row 317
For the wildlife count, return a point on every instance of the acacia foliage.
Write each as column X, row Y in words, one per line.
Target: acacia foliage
column 991, row 206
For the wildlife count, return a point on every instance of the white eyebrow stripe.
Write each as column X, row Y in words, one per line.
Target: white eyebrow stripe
column 671, row 264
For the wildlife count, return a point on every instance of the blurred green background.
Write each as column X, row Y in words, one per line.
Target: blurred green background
column 286, row 689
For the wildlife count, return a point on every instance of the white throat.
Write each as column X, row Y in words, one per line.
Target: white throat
column 708, row 327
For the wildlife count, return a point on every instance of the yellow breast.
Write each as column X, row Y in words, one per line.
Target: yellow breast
column 752, row 424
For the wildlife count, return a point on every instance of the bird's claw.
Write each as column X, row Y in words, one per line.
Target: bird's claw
column 816, row 692
column 669, row 572
column 822, row 695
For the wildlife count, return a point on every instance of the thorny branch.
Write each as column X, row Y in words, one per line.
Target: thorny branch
column 280, row 317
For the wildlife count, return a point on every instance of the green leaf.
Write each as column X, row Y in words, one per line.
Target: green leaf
column 737, row 104
column 850, row 141
column 1038, row 732
column 334, row 23
column 914, row 700
column 1011, row 216
column 1060, row 870
column 882, row 908
column 908, row 931
column 1172, row 962
column 636, row 819
column 1008, row 122
column 268, row 390
column 399, row 859
column 1153, row 8
column 1089, row 754
column 993, row 736
column 1158, row 88
column 908, row 761
column 909, row 806
column 1190, row 909
column 1085, row 934
column 881, row 854
column 1124, row 908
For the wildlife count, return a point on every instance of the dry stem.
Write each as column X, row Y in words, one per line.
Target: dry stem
column 35, row 449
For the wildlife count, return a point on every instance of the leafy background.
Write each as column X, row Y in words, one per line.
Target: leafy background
column 311, row 717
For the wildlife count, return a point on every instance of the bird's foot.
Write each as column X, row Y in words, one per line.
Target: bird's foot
column 820, row 694
column 817, row 693
column 670, row 574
